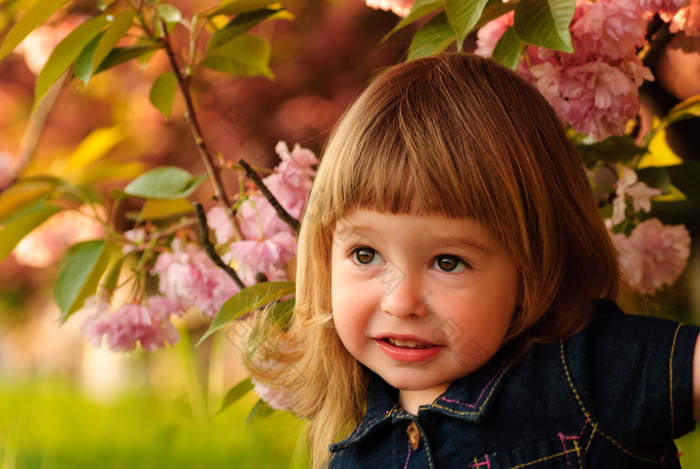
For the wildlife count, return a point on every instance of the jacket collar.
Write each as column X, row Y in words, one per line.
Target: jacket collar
column 468, row 399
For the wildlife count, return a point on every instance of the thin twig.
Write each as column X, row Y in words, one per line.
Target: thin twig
column 209, row 248
column 204, row 152
column 281, row 212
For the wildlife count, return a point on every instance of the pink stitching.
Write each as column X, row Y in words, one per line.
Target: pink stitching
column 443, row 398
column 486, row 461
column 409, row 455
column 563, row 439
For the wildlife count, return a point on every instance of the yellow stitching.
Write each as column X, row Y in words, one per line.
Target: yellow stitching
column 578, row 453
column 670, row 368
column 590, row 440
column 595, row 425
column 571, row 384
column 551, row 456
column 486, row 399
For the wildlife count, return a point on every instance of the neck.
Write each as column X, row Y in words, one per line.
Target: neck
column 411, row 400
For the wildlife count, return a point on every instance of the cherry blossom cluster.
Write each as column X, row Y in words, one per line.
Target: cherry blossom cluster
column 595, row 88
column 652, row 255
column 188, row 278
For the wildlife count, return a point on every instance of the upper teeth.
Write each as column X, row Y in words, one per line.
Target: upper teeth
column 407, row 343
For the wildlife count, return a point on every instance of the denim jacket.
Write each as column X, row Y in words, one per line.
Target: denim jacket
column 615, row 395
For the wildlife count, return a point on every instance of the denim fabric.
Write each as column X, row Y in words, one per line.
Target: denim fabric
column 612, row 396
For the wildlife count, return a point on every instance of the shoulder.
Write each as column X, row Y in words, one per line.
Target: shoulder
column 639, row 367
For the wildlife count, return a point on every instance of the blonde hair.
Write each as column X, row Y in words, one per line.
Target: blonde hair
column 460, row 136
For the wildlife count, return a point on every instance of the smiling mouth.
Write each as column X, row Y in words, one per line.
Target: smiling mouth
column 414, row 344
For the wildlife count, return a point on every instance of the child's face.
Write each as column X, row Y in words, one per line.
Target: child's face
column 421, row 300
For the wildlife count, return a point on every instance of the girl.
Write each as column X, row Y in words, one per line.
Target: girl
column 455, row 293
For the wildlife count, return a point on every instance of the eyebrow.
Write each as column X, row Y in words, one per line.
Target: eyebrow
column 462, row 242
column 345, row 229
column 362, row 231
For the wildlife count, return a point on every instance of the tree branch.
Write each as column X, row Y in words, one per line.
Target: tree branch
column 204, row 152
column 209, row 248
column 281, row 212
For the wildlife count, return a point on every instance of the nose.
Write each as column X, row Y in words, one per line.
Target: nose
column 404, row 295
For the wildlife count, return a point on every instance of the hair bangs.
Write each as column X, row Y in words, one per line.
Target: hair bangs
column 398, row 158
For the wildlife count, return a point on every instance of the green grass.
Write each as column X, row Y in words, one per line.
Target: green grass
column 49, row 425
column 689, row 446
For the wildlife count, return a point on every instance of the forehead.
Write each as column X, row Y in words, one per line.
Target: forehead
column 458, row 232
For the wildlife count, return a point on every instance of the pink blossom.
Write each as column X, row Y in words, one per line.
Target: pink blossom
column 653, row 255
column 602, row 98
column 136, row 238
column 147, row 323
column 291, row 181
column 489, row 34
column 399, row 7
column 190, row 279
column 218, row 220
column 608, row 29
column 274, row 398
column 665, row 8
column 629, row 186
column 594, row 89
column 258, row 219
column 687, row 21
column 264, row 255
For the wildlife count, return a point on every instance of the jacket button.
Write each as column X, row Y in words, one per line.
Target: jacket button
column 414, row 437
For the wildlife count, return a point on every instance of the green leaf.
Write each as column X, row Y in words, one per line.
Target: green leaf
column 13, row 232
column 260, row 409
column 65, row 53
column 121, row 24
column 244, row 55
column 160, row 209
column 432, row 38
column 419, row 9
column 282, row 312
column 169, row 13
column 241, row 24
column 688, row 109
column 235, row 393
column 163, row 92
column 33, row 17
column 545, row 23
column 248, row 299
column 26, row 192
column 165, row 182
column 492, row 11
column 84, row 64
column 112, row 276
column 612, row 150
column 655, row 177
column 119, row 55
column 508, row 49
column 685, row 178
column 79, row 275
column 236, row 7
column 463, row 15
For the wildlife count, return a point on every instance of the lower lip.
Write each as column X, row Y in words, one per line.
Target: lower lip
column 405, row 354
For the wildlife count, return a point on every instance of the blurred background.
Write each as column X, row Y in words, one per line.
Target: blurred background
column 66, row 404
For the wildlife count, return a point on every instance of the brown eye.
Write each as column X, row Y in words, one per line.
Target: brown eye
column 446, row 263
column 365, row 256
